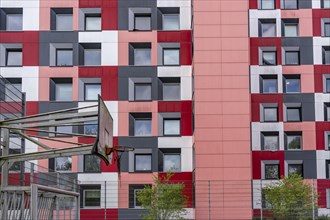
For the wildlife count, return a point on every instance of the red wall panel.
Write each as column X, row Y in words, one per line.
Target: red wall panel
column 317, row 15
column 319, row 71
column 255, row 43
column 321, row 127
column 258, row 156
column 98, row 214
column 257, row 99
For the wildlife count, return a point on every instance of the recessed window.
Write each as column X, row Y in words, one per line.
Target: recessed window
column 270, row 141
column 92, row 91
column 270, row 114
column 13, row 92
column 92, row 198
column 171, row 22
column 267, row 28
column 63, row 91
column 327, row 142
column 293, row 141
column 14, row 57
column 172, row 127
column 268, row 84
column 142, row 91
column 92, row 163
column 291, row 84
column 269, row 58
column 63, row 164
column 142, row 57
column 272, row 171
column 14, row 22
column 325, row 4
column 142, row 127
column 295, row 169
column 327, row 85
column 292, row 57
column 64, row 57
column 142, row 22
column 326, row 55
column 293, row 114
column 291, row 29
column 172, row 163
column 92, row 57
column 290, row 4
column 64, row 22
column 171, row 91
column 171, row 56
column 326, row 29
column 327, row 111
column 267, row 4
column 92, row 22
column 143, row 162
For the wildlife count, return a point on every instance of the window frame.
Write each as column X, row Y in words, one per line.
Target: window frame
column 169, row 49
column 172, row 135
column 84, row 198
column 85, row 90
column 142, row 171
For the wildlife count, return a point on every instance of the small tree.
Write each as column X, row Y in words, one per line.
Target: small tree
column 163, row 200
column 290, row 198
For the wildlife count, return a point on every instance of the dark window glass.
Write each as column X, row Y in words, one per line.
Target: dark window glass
column 270, row 114
column 292, row 58
column 290, row 30
column 295, row 169
column 143, row 162
column 92, row 163
column 14, row 22
column 326, row 56
column 92, row 57
column 327, row 85
column 327, row 29
column 14, row 57
column 137, row 203
column 293, row 114
column 325, row 3
column 64, row 22
column 92, row 91
column 92, row 198
column 293, row 142
column 172, row 162
column 172, row 127
column 171, row 91
column 290, row 4
column 269, row 85
column 171, row 56
column 142, row 91
column 272, row 171
column 171, row 22
column 90, row 129
column 63, row 164
column 268, row 58
column 12, row 92
column 64, row 57
column 267, row 4
column 142, row 127
column 63, row 92
column 292, row 85
column 93, row 22
column 270, row 142
column 142, row 22
column 142, row 57
column 268, row 29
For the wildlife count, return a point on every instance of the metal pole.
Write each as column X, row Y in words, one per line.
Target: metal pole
column 313, row 199
column 34, row 201
column 261, row 200
column 105, row 200
column 58, row 198
column 32, row 173
column 5, row 152
column 209, row 200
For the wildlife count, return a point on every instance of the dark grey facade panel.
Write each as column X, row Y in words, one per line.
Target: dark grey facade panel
column 304, row 4
column 124, row 214
column 307, row 104
column 309, row 161
column 305, row 45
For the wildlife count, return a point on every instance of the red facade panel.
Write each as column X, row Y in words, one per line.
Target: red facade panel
column 317, row 15
column 258, row 156
column 257, row 99
column 256, row 43
column 321, row 127
column 319, row 71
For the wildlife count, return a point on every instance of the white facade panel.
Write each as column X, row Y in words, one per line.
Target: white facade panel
column 320, row 99
column 255, row 15
column 257, row 128
column 321, row 157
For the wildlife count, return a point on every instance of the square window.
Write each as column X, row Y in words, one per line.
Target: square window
column 172, row 163
column 326, row 55
column 64, row 22
column 293, row 114
column 92, row 163
column 270, row 114
column 293, row 141
column 93, row 22
column 14, row 22
column 290, row 4
column 92, row 198
column 327, row 85
column 92, row 91
column 290, row 30
column 12, row 92
column 267, row 4
column 142, row 127
column 172, row 127
column 142, row 22
column 325, row 3
column 269, row 58
column 64, row 57
column 171, row 91
column 269, row 85
column 270, row 142
column 142, row 91
column 328, row 141
column 63, row 91
column 295, row 169
column 272, row 171
column 292, row 57
column 327, row 112
column 92, row 57
column 171, row 56
column 326, row 29
column 292, row 84
column 63, row 164
column 143, row 162
column 14, row 57
column 171, row 22
column 268, row 28
column 327, row 168
column 142, row 57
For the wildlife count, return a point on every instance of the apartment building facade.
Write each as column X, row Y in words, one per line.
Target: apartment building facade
column 228, row 94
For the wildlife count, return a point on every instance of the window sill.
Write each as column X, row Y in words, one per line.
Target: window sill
column 63, row 66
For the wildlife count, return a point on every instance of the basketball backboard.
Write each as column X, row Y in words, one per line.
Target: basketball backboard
column 104, row 138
